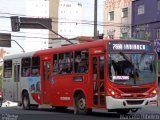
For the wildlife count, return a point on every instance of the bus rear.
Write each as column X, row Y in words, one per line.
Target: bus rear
column 132, row 76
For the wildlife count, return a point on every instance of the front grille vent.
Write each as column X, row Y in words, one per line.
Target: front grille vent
column 134, row 102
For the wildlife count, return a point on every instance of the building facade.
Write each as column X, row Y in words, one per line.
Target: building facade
column 146, row 19
column 117, row 19
column 36, row 39
column 69, row 19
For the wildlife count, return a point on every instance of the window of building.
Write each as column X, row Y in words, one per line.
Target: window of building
column 158, row 4
column 125, row 12
column 111, row 36
column 141, row 34
column 140, row 9
column 111, row 15
column 81, row 61
column 68, row 5
column 35, row 66
column 65, row 63
column 7, row 69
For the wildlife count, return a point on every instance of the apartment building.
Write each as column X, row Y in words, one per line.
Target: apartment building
column 68, row 21
column 37, row 39
column 117, row 19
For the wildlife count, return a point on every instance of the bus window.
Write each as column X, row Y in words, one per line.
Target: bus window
column 81, row 61
column 95, row 90
column 35, row 66
column 26, row 67
column 55, row 64
column 101, row 59
column 7, row 69
column 94, row 68
column 65, row 63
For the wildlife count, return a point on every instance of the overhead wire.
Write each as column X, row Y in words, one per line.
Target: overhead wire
column 99, row 23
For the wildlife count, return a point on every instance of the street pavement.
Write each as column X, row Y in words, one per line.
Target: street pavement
column 17, row 113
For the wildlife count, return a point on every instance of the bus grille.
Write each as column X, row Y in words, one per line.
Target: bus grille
column 134, row 102
column 134, row 90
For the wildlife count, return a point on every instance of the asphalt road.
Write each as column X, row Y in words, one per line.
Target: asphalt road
column 17, row 113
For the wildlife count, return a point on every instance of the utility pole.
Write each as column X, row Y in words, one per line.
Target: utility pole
column 95, row 19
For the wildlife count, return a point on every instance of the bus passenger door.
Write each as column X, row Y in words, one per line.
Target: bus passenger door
column 98, row 70
column 16, row 82
column 46, row 78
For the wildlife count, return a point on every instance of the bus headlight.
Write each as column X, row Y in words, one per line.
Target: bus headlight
column 153, row 93
column 113, row 93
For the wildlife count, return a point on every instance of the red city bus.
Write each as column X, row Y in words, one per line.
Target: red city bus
column 116, row 75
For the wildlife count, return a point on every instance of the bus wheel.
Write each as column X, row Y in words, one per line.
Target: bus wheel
column 80, row 104
column 25, row 101
column 134, row 110
column 123, row 111
column 1, row 102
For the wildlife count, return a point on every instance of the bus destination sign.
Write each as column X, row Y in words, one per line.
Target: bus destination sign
column 130, row 46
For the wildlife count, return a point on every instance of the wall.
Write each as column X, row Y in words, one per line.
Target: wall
column 120, row 24
column 147, row 23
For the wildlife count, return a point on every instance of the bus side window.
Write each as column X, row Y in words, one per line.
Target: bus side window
column 26, row 67
column 55, row 64
column 65, row 63
column 69, row 62
column 81, row 61
column 7, row 73
column 35, row 66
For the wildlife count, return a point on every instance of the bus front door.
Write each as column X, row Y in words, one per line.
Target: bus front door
column 98, row 80
column 46, row 78
column 16, row 82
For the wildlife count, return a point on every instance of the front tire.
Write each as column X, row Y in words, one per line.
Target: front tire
column 25, row 101
column 80, row 105
column 134, row 110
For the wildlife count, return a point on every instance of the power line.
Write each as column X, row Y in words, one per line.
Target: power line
column 35, row 33
column 99, row 23
column 41, row 17
column 85, row 3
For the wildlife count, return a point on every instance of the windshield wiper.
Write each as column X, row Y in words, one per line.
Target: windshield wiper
column 125, row 57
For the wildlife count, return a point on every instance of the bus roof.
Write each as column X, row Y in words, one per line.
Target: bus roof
column 68, row 48
column 85, row 45
column 28, row 54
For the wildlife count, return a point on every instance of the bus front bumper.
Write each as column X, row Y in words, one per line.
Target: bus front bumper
column 113, row 103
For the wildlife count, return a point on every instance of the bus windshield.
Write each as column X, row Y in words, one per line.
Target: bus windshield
column 132, row 69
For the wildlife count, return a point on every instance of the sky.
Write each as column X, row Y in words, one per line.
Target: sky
column 88, row 7
column 13, row 7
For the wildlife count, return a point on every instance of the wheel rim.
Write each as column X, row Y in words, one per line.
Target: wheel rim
column 82, row 104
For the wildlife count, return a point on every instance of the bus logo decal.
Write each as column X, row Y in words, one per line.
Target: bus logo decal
column 64, row 98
